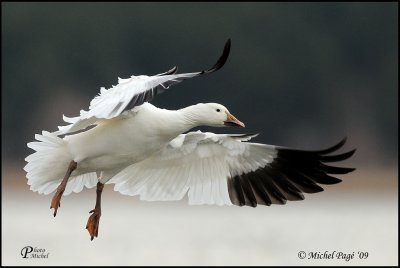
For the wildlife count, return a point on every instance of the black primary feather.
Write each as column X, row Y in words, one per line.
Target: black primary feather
column 291, row 173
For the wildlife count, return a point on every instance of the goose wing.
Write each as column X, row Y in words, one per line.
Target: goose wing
column 227, row 169
column 130, row 93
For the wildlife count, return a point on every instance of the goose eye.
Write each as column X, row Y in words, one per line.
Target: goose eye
column 218, row 110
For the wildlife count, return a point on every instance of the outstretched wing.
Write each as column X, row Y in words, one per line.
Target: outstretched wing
column 225, row 169
column 130, row 93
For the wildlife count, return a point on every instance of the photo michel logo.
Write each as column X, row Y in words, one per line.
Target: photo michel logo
column 29, row 252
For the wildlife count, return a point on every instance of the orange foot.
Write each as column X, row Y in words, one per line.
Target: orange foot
column 93, row 223
column 56, row 201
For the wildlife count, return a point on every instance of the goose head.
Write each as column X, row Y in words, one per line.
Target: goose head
column 215, row 115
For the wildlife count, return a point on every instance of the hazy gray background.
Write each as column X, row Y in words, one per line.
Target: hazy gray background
column 304, row 74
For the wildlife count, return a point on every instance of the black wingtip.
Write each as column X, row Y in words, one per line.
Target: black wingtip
column 333, row 148
column 222, row 60
column 335, row 170
column 339, row 157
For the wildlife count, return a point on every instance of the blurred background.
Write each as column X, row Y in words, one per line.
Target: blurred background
column 302, row 74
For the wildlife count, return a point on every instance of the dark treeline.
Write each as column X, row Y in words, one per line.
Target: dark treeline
column 304, row 74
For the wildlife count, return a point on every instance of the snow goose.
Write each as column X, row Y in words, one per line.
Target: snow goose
column 123, row 139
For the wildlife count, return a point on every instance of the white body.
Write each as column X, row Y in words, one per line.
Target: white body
column 119, row 142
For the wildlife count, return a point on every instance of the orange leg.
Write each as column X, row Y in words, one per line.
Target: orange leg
column 55, row 202
column 93, row 222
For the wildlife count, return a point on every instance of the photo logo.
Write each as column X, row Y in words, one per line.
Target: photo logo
column 29, row 252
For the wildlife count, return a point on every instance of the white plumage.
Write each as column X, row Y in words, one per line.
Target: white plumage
column 141, row 149
column 195, row 163
column 48, row 164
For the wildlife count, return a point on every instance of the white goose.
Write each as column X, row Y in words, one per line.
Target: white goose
column 141, row 149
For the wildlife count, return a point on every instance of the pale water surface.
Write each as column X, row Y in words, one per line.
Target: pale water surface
column 134, row 232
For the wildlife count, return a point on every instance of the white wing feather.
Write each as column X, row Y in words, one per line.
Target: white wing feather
column 195, row 163
column 113, row 102
column 129, row 93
